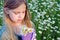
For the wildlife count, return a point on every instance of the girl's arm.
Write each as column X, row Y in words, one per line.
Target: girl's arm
column 1, row 32
column 4, row 33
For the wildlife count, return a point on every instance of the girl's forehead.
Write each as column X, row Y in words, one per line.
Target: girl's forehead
column 22, row 7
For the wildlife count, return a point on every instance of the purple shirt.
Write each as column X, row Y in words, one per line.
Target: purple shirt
column 29, row 36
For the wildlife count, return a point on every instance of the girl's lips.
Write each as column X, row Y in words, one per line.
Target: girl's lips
column 19, row 19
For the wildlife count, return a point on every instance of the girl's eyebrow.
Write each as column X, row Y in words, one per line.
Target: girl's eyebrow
column 13, row 11
column 18, row 11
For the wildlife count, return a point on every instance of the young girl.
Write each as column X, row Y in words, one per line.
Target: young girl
column 18, row 25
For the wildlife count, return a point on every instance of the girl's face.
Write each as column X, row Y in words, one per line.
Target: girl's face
column 18, row 13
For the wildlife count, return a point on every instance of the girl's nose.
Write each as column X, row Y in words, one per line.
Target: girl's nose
column 20, row 14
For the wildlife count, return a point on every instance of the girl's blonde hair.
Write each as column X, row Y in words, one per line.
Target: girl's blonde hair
column 12, row 4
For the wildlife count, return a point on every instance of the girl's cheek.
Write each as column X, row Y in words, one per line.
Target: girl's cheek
column 14, row 17
column 24, row 14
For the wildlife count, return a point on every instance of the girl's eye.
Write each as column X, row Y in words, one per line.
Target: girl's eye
column 17, row 13
column 23, row 12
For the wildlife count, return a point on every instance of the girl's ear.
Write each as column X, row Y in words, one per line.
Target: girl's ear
column 6, row 10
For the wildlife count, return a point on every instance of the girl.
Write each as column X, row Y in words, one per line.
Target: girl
column 18, row 25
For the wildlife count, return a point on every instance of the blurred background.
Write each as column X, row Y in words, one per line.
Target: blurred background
column 46, row 17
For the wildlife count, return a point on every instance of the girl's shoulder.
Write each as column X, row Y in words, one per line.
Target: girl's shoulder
column 2, row 29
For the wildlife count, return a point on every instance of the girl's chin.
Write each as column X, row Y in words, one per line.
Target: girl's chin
column 19, row 20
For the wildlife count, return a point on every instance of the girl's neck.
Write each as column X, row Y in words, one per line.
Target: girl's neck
column 17, row 24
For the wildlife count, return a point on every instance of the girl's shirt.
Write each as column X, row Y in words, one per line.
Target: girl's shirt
column 24, row 34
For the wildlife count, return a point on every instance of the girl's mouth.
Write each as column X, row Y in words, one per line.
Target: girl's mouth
column 19, row 19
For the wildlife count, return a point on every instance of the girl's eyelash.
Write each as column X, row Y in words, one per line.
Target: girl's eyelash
column 15, row 13
column 18, row 12
column 22, row 12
